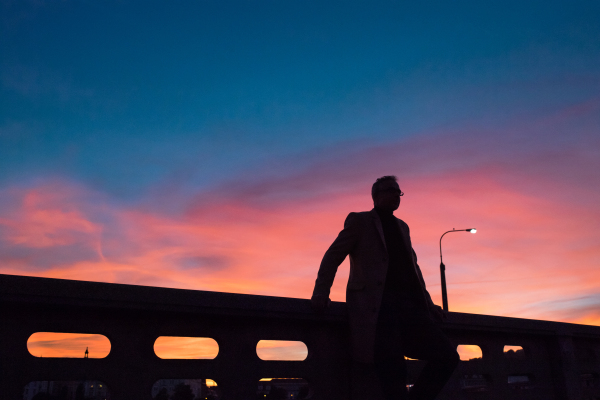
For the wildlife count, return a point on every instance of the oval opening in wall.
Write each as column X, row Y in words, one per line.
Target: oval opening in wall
column 281, row 350
column 475, row 383
column 182, row 347
column 68, row 345
column 524, row 381
column 514, row 352
column 469, row 352
column 84, row 389
column 173, row 388
column 283, row 388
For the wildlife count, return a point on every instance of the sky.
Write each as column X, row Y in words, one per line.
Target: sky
column 219, row 145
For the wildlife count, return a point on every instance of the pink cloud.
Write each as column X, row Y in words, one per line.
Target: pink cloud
column 42, row 219
column 535, row 253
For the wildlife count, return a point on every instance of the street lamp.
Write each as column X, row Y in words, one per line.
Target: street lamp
column 443, row 267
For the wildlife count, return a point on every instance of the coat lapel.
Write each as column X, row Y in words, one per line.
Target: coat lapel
column 408, row 244
column 379, row 227
column 405, row 238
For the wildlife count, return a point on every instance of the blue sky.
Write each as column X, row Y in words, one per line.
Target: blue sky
column 221, row 86
column 111, row 109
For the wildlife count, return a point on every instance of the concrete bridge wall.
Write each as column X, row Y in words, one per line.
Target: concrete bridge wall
column 561, row 360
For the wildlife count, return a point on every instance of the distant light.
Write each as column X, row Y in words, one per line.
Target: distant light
column 473, row 230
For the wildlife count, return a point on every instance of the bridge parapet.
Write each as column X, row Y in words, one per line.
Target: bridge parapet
column 560, row 361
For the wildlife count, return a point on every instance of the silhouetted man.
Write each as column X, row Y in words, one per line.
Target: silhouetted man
column 390, row 312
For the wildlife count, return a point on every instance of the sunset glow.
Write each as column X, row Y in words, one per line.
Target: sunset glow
column 220, row 146
column 513, row 348
column 284, row 350
column 170, row 347
column 68, row 345
column 468, row 352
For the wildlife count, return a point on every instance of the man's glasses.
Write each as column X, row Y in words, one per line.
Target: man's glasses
column 395, row 191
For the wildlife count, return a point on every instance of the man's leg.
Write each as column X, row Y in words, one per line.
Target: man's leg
column 390, row 365
column 426, row 341
column 392, row 375
column 363, row 383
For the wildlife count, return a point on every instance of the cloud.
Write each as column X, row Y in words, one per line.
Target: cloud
column 529, row 193
column 186, row 347
column 48, row 225
column 281, row 350
column 71, row 345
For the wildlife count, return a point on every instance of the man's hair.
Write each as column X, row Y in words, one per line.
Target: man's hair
column 379, row 181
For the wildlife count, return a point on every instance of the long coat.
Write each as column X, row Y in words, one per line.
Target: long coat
column 362, row 238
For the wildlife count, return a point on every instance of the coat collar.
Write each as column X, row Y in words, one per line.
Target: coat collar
column 377, row 222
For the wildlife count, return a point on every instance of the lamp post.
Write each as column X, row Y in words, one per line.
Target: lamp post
column 443, row 267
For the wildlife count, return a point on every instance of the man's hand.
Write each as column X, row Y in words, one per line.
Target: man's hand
column 439, row 314
column 319, row 303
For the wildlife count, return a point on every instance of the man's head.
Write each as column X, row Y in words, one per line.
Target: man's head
column 386, row 193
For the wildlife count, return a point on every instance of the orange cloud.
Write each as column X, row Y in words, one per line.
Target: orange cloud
column 535, row 254
column 68, row 345
column 468, row 352
column 518, row 255
column 281, row 350
column 186, row 347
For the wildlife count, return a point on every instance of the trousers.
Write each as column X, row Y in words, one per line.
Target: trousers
column 404, row 328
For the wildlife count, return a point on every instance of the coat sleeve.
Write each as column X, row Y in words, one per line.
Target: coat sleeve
column 427, row 295
column 336, row 254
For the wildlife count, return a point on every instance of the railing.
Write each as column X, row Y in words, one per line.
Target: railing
column 561, row 361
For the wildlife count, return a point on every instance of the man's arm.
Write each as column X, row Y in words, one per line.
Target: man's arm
column 334, row 256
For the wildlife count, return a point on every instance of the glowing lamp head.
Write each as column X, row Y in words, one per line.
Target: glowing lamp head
column 472, row 230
